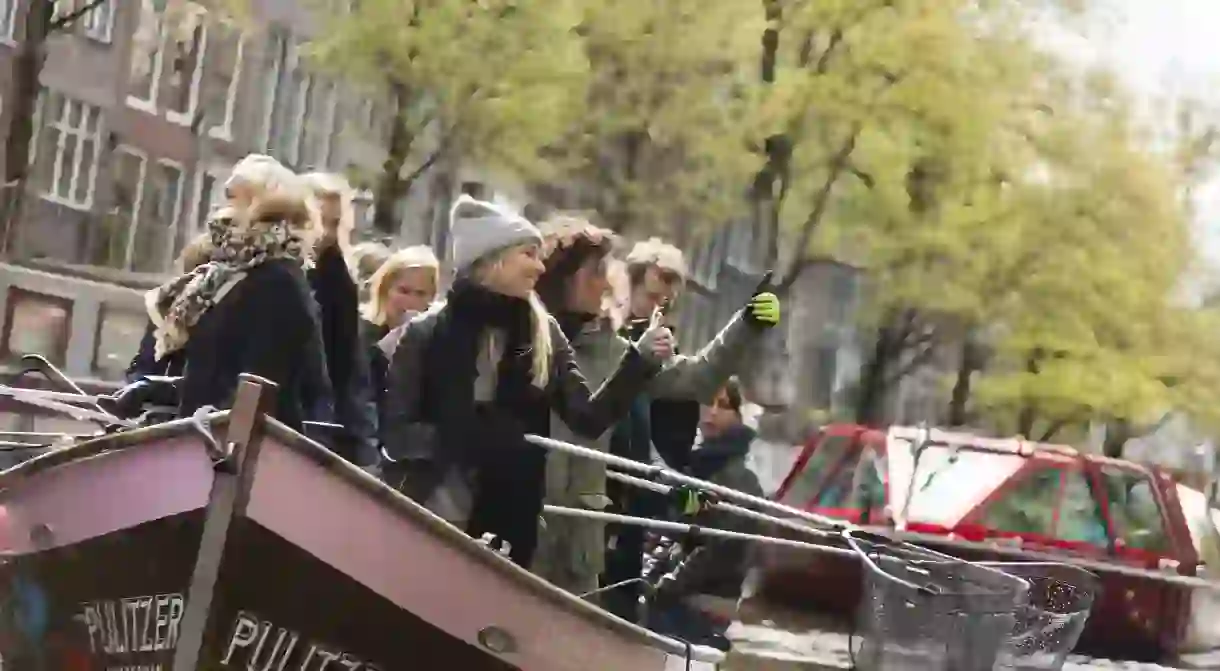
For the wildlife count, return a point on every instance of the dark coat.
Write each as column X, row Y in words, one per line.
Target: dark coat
column 411, row 432
column 370, row 335
column 145, row 361
column 718, row 566
column 346, row 361
column 266, row 325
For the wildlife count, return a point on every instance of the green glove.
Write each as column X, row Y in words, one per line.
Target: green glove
column 763, row 309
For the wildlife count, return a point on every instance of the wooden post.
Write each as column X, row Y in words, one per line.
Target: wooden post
column 254, row 400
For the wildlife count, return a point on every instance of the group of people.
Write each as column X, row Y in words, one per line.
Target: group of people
column 543, row 329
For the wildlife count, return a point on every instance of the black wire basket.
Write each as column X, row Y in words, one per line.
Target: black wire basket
column 922, row 610
column 1049, row 624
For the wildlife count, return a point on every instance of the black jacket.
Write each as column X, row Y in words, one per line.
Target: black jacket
column 266, row 325
column 411, row 433
column 370, row 335
column 145, row 361
column 718, row 566
column 346, row 361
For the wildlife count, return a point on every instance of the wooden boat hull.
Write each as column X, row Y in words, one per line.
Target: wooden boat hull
column 136, row 551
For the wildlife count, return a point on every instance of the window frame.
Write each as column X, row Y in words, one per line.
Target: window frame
column 42, row 125
column 8, row 30
column 88, row 25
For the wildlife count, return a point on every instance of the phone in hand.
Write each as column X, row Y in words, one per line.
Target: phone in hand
column 765, row 283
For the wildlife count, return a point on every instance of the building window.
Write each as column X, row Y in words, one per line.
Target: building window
column 37, row 324
column 222, row 67
column 144, row 223
column 185, row 47
column 66, row 164
column 8, row 19
column 167, row 63
column 204, row 197
column 291, row 90
column 96, row 24
column 118, row 334
column 146, row 58
column 156, row 228
column 318, row 124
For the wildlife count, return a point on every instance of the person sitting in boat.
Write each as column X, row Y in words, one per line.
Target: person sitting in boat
column 145, row 363
column 338, row 297
column 709, row 580
column 474, row 374
column 577, row 289
column 405, row 285
column 249, row 309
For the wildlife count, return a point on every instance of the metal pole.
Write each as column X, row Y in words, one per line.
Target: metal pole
column 57, row 396
column 727, row 507
column 678, row 527
column 668, row 476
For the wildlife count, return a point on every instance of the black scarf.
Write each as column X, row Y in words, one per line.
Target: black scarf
column 464, row 426
column 717, row 452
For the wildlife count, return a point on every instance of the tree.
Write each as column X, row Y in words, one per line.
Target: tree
column 489, row 81
column 668, row 116
column 41, row 20
column 885, row 119
column 1088, row 327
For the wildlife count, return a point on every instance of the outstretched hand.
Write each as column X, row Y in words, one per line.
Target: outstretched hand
column 657, row 342
column 763, row 309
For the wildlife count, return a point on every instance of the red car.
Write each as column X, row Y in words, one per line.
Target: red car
column 986, row 498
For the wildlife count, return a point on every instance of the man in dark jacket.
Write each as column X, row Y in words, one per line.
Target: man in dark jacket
column 710, row 577
column 339, row 303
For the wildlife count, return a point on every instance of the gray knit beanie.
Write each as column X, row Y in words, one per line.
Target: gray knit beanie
column 479, row 229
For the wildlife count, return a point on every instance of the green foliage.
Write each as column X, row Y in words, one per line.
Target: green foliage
column 489, row 81
column 663, row 140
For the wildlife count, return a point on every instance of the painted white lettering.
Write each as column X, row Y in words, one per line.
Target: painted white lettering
column 245, row 631
column 177, row 604
column 261, row 645
column 160, row 627
column 146, row 640
column 327, row 657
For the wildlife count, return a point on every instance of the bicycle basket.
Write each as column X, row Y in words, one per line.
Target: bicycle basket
column 921, row 610
column 1049, row 624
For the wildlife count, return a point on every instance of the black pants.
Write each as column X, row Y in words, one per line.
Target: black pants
column 625, row 550
column 508, row 500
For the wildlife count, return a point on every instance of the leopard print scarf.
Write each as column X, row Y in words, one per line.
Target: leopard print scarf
column 176, row 306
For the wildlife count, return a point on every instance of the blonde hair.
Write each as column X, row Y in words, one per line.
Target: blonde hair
column 195, row 253
column 278, row 194
column 374, row 310
column 331, row 185
column 541, row 347
column 653, row 252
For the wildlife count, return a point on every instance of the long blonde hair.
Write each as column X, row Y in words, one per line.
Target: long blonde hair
column 376, row 309
column 541, row 347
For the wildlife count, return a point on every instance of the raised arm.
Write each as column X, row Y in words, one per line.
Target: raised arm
column 590, row 414
column 700, row 376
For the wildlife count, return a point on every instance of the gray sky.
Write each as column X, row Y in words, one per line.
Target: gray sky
column 1164, row 47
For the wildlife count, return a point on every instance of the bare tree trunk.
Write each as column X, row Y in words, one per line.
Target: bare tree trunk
column 971, row 362
column 391, row 187
column 1028, row 415
column 1118, row 432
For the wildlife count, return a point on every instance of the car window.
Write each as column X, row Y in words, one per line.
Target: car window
column 1080, row 518
column 827, row 453
column 1028, row 507
column 1134, row 509
column 857, row 484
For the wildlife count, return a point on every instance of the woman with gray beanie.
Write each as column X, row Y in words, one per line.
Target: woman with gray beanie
column 474, row 374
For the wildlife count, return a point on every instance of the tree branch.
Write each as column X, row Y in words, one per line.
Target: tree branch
column 64, row 22
column 821, row 203
column 918, row 360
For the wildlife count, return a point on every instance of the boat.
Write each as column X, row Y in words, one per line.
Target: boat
column 987, row 499
column 229, row 540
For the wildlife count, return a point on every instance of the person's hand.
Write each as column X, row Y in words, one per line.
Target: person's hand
column 763, row 309
column 657, row 342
